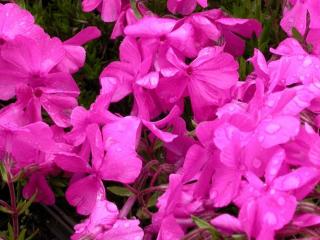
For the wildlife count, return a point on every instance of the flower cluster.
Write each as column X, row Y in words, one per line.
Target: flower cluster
column 249, row 166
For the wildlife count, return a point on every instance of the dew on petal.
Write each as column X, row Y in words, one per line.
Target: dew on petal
column 270, row 218
column 257, row 163
column 272, row 128
column 281, row 201
column 307, row 62
column 291, row 182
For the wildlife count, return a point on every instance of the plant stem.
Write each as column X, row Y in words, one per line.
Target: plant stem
column 14, row 216
column 127, row 206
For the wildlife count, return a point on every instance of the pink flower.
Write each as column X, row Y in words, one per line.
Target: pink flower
column 75, row 54
column 15, row 21
column 214, row 26
column 28, row 63
column 185, row 7
column 161, row 33
column 262, row 206
column 110, row 9
column 38, row 185
column 103, row 216
column 207, row 79
column 110, row 158
column 296, row 17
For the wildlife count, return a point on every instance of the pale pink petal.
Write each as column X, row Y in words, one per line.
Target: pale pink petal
column 163, row 136
column 150, row 27
column 296, row 179
column 170, row 229
column 124, row 230
column 306, row 220
column 120, row 164
column 71, row 163
column 84, row 36
column 14, row 21
column 90, row 5
column 227, row 223
column 84, row 193
column 110, row 10
column 129, row 126
column 38, row 184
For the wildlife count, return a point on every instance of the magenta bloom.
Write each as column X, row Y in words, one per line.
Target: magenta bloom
column 110, row 9
column 110, row 158
column 75, row 54
column 207, row 79
column 28, row 63
column 185, row 7
column 15, row 21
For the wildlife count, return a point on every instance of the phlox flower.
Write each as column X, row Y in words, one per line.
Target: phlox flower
column 15, row 21
column 296, row 16
column 207, row 80
column 161, row 33
column 110, row 9
column 108, row 162
column 216, row 27
column 28, row 63
column 103, row 223
column 75, row 54
column 36, row 147
column 185, row 7
column 135, row 74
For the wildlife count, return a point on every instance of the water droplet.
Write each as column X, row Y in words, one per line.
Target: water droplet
column 307, row 62
column 261, row 138
column 270, row 218
column 270, row 102
column 213, row 194
column 118, row 149
column 126, row 224
column 301, row 77
column 291, row 182
column 116, row 225
column 272, row 128
column 300, row 102
column 300, row 57
column 257, row 163
column 173, row 99
column 281, row 201
column 272, row 191
column 230, row 131
column 316, row 84
column 273, row 171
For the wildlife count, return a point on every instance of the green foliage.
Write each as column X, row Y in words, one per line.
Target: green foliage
column 120, row 191
column 202, row 224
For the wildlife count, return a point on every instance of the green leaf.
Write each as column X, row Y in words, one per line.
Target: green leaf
column 133, row 4
column 5, row 210
column 33, row 235
column 153, row 200
column 3, row 173
column 296, row 34
column 22, row 234
column 26, row 204
column 10, row 232
column 202, row 224
column 120, row 191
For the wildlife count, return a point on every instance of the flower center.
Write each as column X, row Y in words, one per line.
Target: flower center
column 38, row 92
column 189, row 70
